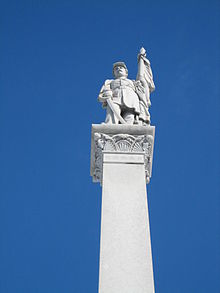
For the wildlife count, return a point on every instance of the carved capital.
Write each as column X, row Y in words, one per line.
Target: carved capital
column 122, row 143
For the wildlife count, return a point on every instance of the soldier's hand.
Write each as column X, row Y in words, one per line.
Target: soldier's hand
column 107, row 94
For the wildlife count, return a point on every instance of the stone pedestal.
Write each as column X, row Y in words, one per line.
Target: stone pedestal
column 121, row 160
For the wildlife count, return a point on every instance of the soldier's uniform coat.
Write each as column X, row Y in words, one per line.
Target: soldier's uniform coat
column 123, row 93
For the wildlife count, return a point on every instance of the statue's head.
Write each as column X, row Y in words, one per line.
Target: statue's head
column 120, row 70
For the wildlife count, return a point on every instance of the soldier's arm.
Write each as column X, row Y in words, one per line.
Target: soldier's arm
column 105, row 91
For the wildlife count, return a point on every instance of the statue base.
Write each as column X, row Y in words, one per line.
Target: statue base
column 121, row 159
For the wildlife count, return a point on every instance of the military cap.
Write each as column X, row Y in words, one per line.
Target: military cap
column 120, row 63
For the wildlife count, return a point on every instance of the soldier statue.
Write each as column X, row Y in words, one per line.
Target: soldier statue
column 128, row 101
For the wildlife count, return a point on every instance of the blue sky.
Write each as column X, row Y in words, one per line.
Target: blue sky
column 54, row 58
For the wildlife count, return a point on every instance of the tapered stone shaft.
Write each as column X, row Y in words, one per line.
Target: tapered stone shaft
column 121, row 162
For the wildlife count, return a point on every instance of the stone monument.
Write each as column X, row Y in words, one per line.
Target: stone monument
column 121, row 160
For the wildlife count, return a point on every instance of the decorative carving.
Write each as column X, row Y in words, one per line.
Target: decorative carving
column 122, row 143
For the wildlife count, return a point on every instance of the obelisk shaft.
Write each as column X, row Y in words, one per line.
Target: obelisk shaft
column 125, row 248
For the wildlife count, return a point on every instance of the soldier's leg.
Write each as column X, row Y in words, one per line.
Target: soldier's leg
column 110, row 116
column 137, row 121
column 129, row 117
column 117, row 109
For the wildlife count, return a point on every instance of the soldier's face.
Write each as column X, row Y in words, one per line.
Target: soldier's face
column 120, row 71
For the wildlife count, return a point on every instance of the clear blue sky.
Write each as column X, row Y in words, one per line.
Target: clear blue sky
column 54, row 58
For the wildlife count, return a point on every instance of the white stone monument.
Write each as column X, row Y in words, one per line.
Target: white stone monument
column 121, row 160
